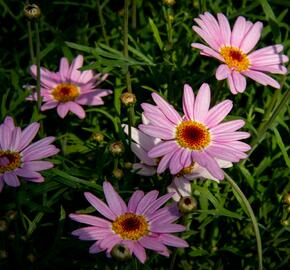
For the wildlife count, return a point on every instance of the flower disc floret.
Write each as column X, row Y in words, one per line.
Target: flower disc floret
column 65, row 92
column 235, row 58
column 192, row 135
column 9, row 160
column 130, row 226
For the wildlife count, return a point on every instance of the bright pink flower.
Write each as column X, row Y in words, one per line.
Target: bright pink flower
column 232, row 47
column 138, row 225
column 70, row 88
column 198, row 136
column 18, row 158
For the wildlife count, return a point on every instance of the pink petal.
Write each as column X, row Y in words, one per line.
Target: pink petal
column 92, row 233
column 49, row 105
column 167, row 109
column 231, row 84
column 152, row 243
column 15, row 139
column 238, row 32
column 63, row 68
column 134, row 200
column 74, row 73
column 158, row 132
column 276, row 69
column 151, row 208
column 239, row 81
column 206, row 37
column 27, row 173
column 173, row 241
column 273, row 49
column 252, row 37
column 35, row 147
column 76, row 109
column 162, row 149
column 100, row 206
column 91, row 220
column 11, row 179
column 114, row 200
column 142, row 155
column 143, row 169
column 5, row 137
column 139, row 252
column 261, row 78
column 222, row 72
column 37, row 165
column 175, row 165
column 146, row 201
column 207, row 51
column 62, row 109
column 188, row 101
column 28, row 135
column 163, row 163
column 95, row 248
column 225, row 29
column 268, row 60
column 169, row 228
column 229, row 126
column 202, row 103
column 232, row 136
column 217, row 113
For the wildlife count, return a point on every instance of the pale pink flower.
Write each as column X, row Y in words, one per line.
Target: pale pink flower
column 198, row 136
column 18, row 158
column 140, row 224
column 233, row 48
column 69, row 88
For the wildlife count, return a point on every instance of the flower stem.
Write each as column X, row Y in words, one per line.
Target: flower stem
column 134, row 14
column 268, row 124
column 31, row 49
column 131, row 111
column 100, row 13
column 250, row 213
column 38, row 66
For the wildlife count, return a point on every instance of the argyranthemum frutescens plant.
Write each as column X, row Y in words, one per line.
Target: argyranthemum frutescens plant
column 140, row 224
column 69, row 88
column 233, row 47
column 19, row 158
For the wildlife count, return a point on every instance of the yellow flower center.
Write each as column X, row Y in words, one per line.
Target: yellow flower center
column 9, row 161
column 192, row 135
column 130, row 226
column 65, row 92
column 235, row 58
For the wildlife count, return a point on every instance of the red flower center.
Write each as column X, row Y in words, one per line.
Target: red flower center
column 130, row 226
column 9, row 161
column 192, row 135
column 235, row 58
column 65, row 92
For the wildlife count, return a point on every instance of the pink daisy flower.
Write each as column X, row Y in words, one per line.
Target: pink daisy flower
column 18, row 158
column 70, row 88
column 140, row 224
column 181, row 188
column 198, row 136
column 147, row 166
column 233, row 47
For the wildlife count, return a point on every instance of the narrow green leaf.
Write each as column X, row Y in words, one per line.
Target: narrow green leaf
column 282, row 146
column 156, row 33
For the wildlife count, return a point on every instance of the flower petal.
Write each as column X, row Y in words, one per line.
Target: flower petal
column 202, row 103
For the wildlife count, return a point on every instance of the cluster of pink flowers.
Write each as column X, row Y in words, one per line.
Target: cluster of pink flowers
column 191, row 143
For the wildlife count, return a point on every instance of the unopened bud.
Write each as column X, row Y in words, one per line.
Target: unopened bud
column 118, row 173
column 128, row 99
column 128, row 165
column 32, row 12
column 31, row 258
column 3, row 226
column 117, row 148
column 98, row 137
column 285, row 222
column 169, row 2
column 121, row 253
column 286, row 199
column 187, row 204
column 11, row 214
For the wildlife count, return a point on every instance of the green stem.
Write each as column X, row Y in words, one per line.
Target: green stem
column 173, row 259
column 31, row 49
column 262, row 131
column 134, row 14
column 100, row 13
column 38, row 66
column 250, row 213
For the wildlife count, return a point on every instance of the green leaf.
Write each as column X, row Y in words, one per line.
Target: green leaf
column 156, row 33
column 282, row 146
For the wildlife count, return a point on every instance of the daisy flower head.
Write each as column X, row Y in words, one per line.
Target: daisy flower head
column 140, row 224
column 233, row 48
column 20, row 158
column 69, row 88
column 197, row 136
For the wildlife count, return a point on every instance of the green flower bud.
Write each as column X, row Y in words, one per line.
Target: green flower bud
column 117, row 148
column 32, row 12
column 128, row 99
column 187, row 204
column 121, row 253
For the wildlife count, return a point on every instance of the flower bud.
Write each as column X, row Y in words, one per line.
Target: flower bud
column 117, row 148
column 11, row 214
column 128, row 99
column 128, row 165
column 121, row 253
column 285, row 222
column 32, row 12
column 3, row 226
column 118, row 173
column 187, row 204
column 169, row 2
column 98, row 137
column 286, row 199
